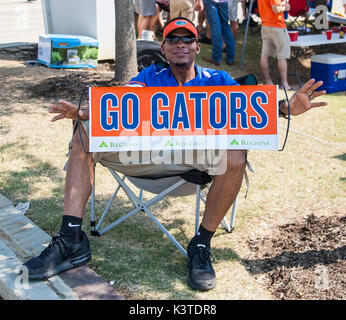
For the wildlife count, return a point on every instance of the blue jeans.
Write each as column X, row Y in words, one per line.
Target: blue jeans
column 217, row 17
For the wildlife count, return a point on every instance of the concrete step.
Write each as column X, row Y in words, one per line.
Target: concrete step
column 21, row 239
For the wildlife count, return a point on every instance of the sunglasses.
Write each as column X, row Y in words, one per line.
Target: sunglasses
column 184, row 39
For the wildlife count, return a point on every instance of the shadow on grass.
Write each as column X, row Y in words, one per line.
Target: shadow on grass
column 341, row 157
column 289, row 259
column 20, row 183
column 3, row 131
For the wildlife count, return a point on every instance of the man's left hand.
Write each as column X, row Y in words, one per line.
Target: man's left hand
column 301, row 101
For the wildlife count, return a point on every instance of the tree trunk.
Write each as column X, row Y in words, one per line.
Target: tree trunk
column 125, row 41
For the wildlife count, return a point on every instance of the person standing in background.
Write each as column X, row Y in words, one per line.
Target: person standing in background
column 146, row 11
column 185, row 8
column 233, row 16
column 275, row 38
column 217, row 16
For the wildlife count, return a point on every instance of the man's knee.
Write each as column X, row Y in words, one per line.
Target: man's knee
column 236, row 160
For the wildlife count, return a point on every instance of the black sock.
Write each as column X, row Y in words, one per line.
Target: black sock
column 203, row 236
column 71, row 228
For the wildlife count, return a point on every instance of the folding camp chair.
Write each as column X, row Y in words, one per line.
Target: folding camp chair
column 166, row 186
column 185, row 184
column 299, row 9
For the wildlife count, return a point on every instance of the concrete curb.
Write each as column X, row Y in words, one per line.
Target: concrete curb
column 21, row 239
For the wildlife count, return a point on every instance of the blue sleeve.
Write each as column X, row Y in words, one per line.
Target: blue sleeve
column 141, row 79
column 227, row 79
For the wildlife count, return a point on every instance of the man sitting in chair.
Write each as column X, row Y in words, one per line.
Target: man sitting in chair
column 70, row 248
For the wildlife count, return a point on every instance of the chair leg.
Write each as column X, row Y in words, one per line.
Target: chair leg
column 198, row 203
column 224, row 223
column 92, row 211
column 139, row 205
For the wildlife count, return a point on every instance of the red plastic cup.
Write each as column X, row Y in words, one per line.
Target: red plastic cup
column 293, row 35
column 329, row 34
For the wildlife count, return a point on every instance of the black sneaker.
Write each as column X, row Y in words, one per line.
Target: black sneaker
column 59, row 256
column 201, row 272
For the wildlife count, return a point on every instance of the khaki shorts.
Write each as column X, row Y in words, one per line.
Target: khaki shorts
column 145, row 7
column 182, row 8
column 275, row 43
column 233, row 10
column 161, row 163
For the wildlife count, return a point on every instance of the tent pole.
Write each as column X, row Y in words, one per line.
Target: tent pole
column 245, row 36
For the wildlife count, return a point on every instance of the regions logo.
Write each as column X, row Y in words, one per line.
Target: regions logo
column 103, row 145
column 234, row 142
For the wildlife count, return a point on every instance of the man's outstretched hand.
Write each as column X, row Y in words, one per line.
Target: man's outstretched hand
column 301, row 101
column 67, row 110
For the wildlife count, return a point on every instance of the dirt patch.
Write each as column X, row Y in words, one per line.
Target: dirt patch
column 68, row 85
column 302, row 260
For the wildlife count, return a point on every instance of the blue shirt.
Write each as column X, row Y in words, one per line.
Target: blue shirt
column 157, row 76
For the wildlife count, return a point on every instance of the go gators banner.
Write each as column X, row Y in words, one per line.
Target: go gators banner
column 164, row 118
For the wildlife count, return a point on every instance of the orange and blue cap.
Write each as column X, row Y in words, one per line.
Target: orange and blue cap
column 179, row 23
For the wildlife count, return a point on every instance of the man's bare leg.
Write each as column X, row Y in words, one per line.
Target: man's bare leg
column 221, row 195
column 224, row 190
column 282, row 66
column 70, row 248
column 234, row 28
column 79, row 177
column 143, row 24
column 264, row 61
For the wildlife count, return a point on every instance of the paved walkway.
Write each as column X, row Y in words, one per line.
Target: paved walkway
column 20, row 21
column 21, row 239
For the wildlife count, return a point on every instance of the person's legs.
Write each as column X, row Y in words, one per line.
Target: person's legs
column 282, row 66
column 213, row 19
column 226, row 32
column 222, row 193
column 154, row 19
column 143, row 24
column 233, row 16
column 205, row 37
column 223, row 190
column 139, row 26
column 200, row 20
column 70, row 248
column 268, row 50
column 146, row 10
column 79, row 177
column 264, row 62
column 282, row 43
column 234, row 29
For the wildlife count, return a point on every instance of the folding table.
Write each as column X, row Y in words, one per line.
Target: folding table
column 304, row 42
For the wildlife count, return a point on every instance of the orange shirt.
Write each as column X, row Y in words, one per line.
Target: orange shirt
column 268, row 17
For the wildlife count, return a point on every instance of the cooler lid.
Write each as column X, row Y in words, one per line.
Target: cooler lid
column 329, row 58
column 75, row 39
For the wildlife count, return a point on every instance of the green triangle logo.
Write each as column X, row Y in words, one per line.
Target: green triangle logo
column 234, row 142
column 103, row 144
column 168, row 144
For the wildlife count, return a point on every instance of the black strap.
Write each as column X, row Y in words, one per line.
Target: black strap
column 197, row 177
